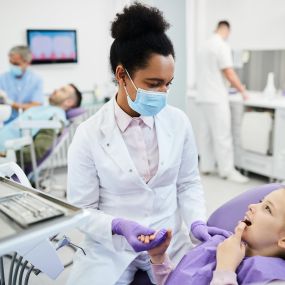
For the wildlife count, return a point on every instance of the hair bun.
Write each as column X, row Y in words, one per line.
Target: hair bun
column 137, row 20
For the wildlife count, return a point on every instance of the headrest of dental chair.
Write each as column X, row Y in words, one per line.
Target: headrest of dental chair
column 228, row 215
column 74, row 112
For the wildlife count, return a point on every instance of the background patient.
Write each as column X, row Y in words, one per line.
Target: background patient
column 60, row 101
column 254, row 253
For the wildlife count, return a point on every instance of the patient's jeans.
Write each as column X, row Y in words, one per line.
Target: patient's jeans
column 141, row 262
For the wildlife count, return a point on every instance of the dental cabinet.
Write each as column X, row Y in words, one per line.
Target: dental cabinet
column 258, row 129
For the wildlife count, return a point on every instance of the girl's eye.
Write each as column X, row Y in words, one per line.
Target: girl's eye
column 267, row 208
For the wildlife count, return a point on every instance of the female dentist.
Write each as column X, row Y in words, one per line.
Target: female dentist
column 134, row 163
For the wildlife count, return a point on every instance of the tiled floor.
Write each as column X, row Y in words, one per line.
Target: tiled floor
column 217, row 191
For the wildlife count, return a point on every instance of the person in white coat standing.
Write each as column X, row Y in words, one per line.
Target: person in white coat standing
column 215, row 138
column 134, row 163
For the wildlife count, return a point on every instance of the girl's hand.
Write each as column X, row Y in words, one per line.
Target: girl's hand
column 157, row 254
column 231, row 251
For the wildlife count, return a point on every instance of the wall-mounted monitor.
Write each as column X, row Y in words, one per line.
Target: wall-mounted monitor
column 52, row 46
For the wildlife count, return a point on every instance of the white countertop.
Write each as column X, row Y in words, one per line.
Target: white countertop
column 256, row 99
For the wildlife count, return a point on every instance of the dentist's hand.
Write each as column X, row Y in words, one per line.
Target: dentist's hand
column 245, row 95
column 231, row 251
column 133, row 231
column 202, row 232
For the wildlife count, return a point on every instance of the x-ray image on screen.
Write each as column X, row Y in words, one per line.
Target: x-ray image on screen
column 52, row 46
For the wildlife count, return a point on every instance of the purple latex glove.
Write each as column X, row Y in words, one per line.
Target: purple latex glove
column 131, row 230
column 202, row 232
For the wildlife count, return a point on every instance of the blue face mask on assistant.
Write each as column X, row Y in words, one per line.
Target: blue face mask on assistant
column 16, row 70
column 147, row 103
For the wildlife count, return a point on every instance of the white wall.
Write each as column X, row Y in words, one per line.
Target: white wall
column 175, row 14
column 256, row 24
column 91, row 19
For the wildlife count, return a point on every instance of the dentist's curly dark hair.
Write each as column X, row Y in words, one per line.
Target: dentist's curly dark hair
column 138, row 32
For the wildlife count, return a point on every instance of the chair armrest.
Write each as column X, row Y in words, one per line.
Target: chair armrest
column 5, row 112
column 40, row 124
column 18, row 143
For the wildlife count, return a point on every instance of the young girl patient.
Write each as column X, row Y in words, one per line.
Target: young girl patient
column 253, row 254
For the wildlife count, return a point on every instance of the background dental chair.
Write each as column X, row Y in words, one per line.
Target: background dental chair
column 62, row 136
column 5, row 113
column 226, row 216
column 57, row 150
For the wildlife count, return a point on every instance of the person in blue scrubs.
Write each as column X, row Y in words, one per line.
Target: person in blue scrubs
column 23, row 87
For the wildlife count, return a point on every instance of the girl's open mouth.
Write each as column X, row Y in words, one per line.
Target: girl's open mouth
column 247, row 221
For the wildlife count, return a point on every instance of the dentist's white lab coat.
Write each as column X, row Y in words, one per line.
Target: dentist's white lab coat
column 103, row 177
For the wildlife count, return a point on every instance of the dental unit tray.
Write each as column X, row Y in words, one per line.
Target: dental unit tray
column 27, row 209
column 28, row 215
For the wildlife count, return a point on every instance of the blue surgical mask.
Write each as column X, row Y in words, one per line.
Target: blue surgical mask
column 16, row 70
column 147, row 103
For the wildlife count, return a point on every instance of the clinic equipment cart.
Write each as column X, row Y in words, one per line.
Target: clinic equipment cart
column 28, row 221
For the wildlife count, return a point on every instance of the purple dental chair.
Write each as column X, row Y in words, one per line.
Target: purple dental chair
column 229, row 214
column 226, row 216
